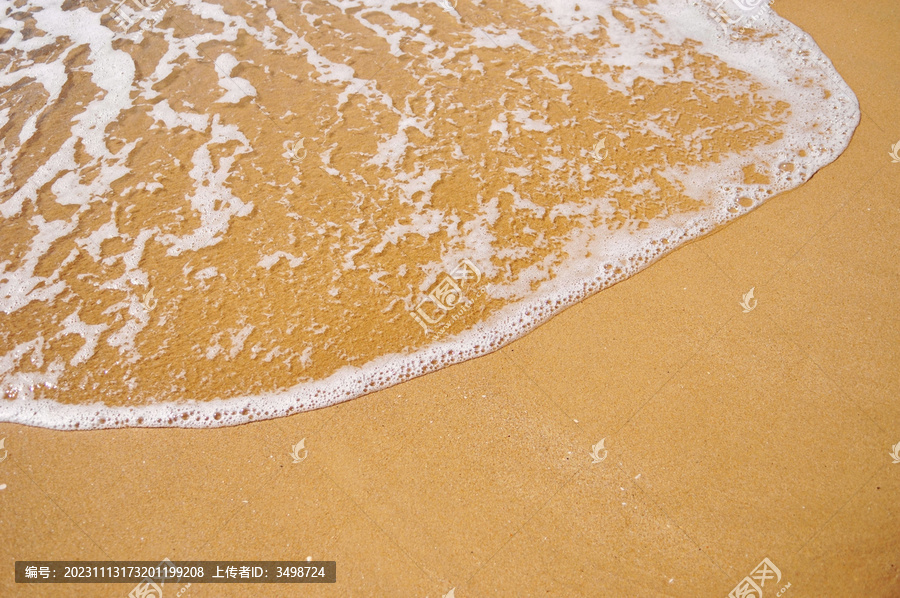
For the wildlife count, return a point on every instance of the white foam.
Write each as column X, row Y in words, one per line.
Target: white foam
column 172, row 119
column 212, row 197
column 787, row 63
column 90, row 333
column 236, row 88
column 267, row 261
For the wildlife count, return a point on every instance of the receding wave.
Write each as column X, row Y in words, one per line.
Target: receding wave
column 216, row 212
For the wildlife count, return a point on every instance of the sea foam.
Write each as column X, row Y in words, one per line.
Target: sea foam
column 218, row 213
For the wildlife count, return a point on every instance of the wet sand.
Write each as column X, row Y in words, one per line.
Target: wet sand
column 729, row 437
